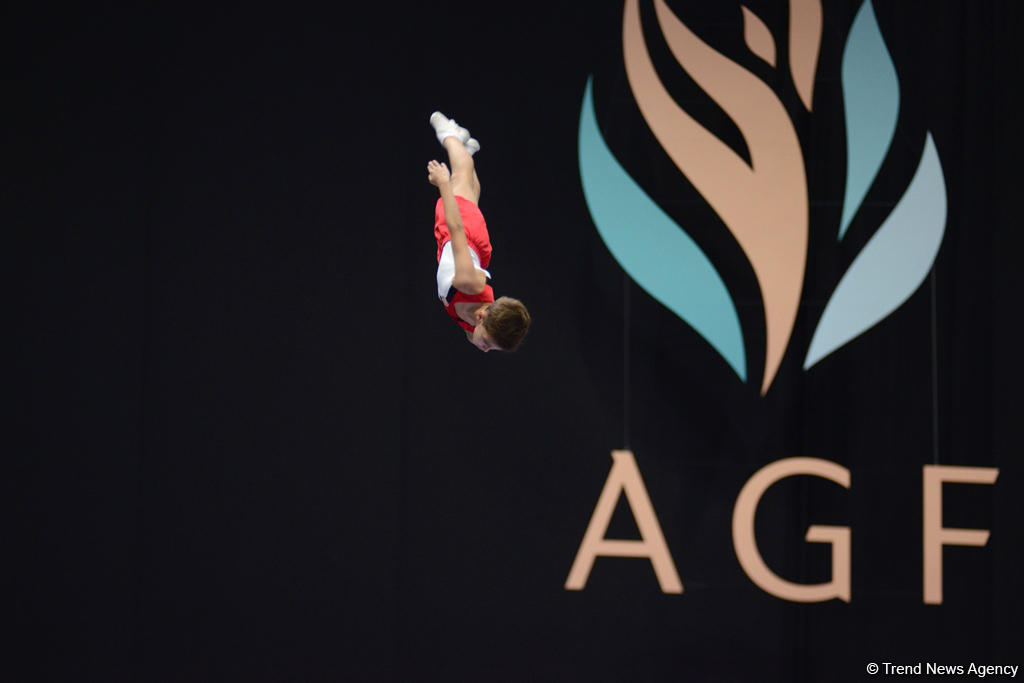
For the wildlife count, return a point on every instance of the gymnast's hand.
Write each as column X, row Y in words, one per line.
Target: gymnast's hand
column 437, row 173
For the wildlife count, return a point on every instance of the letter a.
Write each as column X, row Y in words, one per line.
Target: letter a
column 625, row 476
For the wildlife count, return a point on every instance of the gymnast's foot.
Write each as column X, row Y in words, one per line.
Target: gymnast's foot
column 446, row 127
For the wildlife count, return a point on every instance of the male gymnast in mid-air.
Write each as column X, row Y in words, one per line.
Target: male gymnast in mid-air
column 464, row 248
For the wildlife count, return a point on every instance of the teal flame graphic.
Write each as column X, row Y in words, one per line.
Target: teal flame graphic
column 891, row 266
column 652, row 248
column 871, row 96
column 900, row 255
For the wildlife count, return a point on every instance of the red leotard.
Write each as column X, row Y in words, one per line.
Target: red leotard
column 478, row 239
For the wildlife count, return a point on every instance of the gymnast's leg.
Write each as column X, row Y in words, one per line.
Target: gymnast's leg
column 465, row 182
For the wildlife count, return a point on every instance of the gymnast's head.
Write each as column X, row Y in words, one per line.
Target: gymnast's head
column 501, row 326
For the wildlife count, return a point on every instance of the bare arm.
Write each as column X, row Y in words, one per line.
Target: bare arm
column 468, row 278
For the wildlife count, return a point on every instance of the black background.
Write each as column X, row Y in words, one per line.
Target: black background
column 248, row 444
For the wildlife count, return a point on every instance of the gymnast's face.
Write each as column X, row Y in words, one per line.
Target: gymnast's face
column 480, row 339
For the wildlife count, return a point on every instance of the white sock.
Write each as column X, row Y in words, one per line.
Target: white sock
column 446, row 128
column 472, row 146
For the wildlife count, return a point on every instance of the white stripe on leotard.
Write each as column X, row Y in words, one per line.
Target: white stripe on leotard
column 446, row 270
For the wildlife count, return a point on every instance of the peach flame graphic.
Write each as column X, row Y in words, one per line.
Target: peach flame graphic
column 772, row 190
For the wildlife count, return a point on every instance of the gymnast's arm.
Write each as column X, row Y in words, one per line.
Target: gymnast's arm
column 468, row 279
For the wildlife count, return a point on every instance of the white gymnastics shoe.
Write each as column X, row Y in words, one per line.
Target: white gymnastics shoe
column 472, row 146
column 446, row 128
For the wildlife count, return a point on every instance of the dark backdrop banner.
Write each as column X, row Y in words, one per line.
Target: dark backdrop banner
column 248, row 444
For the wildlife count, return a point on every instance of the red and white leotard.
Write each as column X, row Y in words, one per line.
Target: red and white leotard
column 479, row 250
